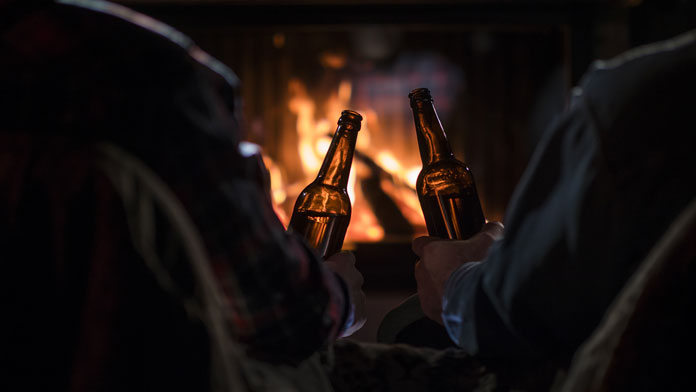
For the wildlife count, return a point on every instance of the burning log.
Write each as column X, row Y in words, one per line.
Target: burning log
column 386, row 211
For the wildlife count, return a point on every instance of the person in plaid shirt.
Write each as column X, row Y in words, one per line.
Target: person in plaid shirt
column 75, row 74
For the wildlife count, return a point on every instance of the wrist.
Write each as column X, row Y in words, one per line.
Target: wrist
column 455, row 279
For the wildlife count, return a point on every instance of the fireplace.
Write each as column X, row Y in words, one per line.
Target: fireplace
column 498, row 71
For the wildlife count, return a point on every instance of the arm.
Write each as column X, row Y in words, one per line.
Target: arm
column 283, row 303
column 171, row 105
column 439, row 259
column 538, row 287
column 602, row 186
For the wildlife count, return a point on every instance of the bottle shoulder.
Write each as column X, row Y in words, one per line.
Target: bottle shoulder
column 446, row 176
column 322, row 198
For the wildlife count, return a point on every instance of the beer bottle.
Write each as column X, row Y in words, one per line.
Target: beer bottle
column 322, row 211
column 445, row 185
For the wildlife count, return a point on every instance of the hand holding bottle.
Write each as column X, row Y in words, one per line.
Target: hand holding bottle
column 343, row 264
column 440, row 258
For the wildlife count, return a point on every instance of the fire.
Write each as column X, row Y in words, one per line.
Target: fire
column 278, row 192
column 392, row 165
column 411, row 176
column 307, row 128
column 313, row 131
column 404, row 195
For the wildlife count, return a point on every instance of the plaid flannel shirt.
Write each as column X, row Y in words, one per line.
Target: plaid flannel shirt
column 95, row 71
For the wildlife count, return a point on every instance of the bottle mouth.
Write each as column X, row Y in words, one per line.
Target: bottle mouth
column 420, row 94
column 350, row 116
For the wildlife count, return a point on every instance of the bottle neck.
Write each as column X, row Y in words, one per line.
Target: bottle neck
column 336, row 167
column 432, row 140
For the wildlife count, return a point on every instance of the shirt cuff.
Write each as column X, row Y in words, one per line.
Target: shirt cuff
column 457, row 277
column 455, row 302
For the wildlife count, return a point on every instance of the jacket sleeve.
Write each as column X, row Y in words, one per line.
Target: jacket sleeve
column 536, row 291
column 603, row 185
column 283, row 303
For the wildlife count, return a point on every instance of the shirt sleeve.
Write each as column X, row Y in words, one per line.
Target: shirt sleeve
column 283, row 303
column 176, row 108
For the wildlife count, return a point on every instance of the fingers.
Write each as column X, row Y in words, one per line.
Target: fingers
column 343, row 264
column 342, row 257
column 419, row 244
column 492, row 230
column 430, row 298
column 419, row 271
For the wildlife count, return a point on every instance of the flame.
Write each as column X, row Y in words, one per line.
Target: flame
column 366, row 224
column 388, row 162
column 303, row 107
column 401, row 189
column 278, row 193
column 323, row 145
column 312, row 131
column 345, row 90
column 411, row 176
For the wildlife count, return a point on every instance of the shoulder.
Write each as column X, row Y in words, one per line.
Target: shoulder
column 114, row 20
column 648, row 82
column 633, row 70
column 664, row 52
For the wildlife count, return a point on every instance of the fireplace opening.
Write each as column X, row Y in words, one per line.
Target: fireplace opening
column 498, row 73
column 485, row 83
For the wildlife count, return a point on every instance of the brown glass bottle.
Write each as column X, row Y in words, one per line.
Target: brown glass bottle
column 322, row 211
column 445, row 185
